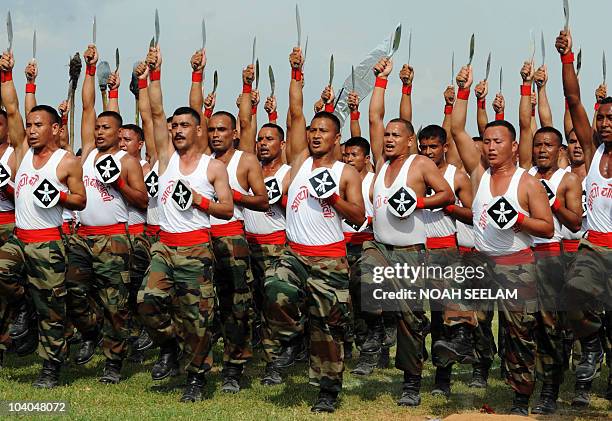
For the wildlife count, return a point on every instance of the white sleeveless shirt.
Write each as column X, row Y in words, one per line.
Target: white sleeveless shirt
column 489, row 239
column 27, row 215
column 170, row 218
column 105, row 204
column 232, row 172
column 389, row 229
column 152, row 209
column 6, row 204
column 599, row 196
column 135, row 215
column 311, row 221
column 274, row 219
column 369, row 208
column 554, row 182
column 437, row 223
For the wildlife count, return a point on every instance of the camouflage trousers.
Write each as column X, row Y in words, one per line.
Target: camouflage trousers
column 141, row 258
column 412, row 322
column 263, row 257
column 357, row 329
column 233, row 285
column 550, row 277
column 177, row 300
column 43, row 266
column 5, row 233
column 299, row 287
column 98, row 281
column 588, row 290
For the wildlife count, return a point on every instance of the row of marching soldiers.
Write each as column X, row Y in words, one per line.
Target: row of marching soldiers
column 261, row 237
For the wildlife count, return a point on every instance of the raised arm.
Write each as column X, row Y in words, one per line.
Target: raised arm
column 481, row 90
column 270, row 109
column 245, row 116
column 541, row 78
column 525, row 132
column 113, row 92
column 452, row 155
column 144, row 108
column 297, row 137
column 63, row 109
column 376, row 113
column 196, row 95
column 353, row 104
column 406, row 76
column 88, row 95
column 600, row 93
column 16, row 129
column 469, row 153
column 31, row 71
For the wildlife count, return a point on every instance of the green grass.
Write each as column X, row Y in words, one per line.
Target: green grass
column 137, row 397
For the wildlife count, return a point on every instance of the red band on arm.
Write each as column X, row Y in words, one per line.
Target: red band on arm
column 521, row 219
column 533, row 111
column 355, row 115
column 65, row 120
column 329, row 108
column 120, row 183
column 30, row 88
column 448, row 109
column 296, row 74
column 567, row 58
column 208, row 112
column 254, row 110
column 197, row 76
column 556, row 205
column 284, row 201
column 449, row 209
column 113, row 93
column 526, row 90
column 246, row 88
column 142, row 83
column 421, row 201
column 90, row 70
column 204, row 205
column 407, row 89
column 236, row 195
column 63, row 197
column 7, row 76
column 333, row 199
column 370, row 220
column 381, row 83
column 273, row 116
column 463, row 94
column 481, row 103
column 499, row 116
column 597, row 106
column 155, row 75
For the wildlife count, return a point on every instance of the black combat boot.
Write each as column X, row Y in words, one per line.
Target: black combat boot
column 23, row 321
column 289, row 353
column 480, row 375
column 272, row 375
column 442, row 385
column 371, row 348
column 112, row 372
column 27, row 344
column 520, row 405
column 230, row 376
column 143, row 342
column 167, row 364
column 410, row 390
column 592, row 357
column 582, row 392
column 547, row 404
column 49, row 375
column 459, row 349
column 87, row 349
column 193, row 387
column 326, row 402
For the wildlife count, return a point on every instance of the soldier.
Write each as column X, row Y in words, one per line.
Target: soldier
column 99, row 255
column 48, row 180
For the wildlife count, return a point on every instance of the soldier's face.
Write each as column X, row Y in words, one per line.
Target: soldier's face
column 40, row 130
column 269, row 145
column 355, row 157
column 603, row 122
column 498, row 146
column 433, row 149
column 184, row 131
column 546, row 150
column 220, row 133
column 322, row 136
column 574, row 150
column 128, row 141
column 106, row 132
column 397, row 140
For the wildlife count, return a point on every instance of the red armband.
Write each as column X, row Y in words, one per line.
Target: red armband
column 197, row 76
column 481, row 103
column 533, row 111
column 208, row 112
column 525, row 90
column 567, row 58
column 65, row 120
column 381, row 83
column 142, row 83
column 333, row 199
column 284, row 201
column 407, row 89
column 420, row 204
column 273, row 116
column 7, row 76
column 90, row 70
column 120, row 183
column 329, row 108
column 520, row 219
column 246, row 88
column 30, row 88
column 204, row 204
column 596, row 106
column 254, row 110
column 370, row 220
column 113, row 93
column 463, row 94
column 155, row 75
column 556, row 205
column 355, row 115
column 448, row 109
column 236, row 195
column 449, row 209
column 63, row 197
column 499, row 116
column 297, row 75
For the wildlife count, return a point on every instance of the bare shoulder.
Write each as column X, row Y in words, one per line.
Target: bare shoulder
column 570, row 178
column 461, row 176
column 215, row 167
column 249, row 159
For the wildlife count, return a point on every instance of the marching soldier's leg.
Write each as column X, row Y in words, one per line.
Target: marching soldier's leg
column 141, row 258
column 12, row 292
column 484, row 345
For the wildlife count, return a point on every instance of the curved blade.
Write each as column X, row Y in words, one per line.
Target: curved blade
column 34, row 46
column 409, row 46
column 9, row 30
column 203, row 33
column 452, row 79
column 134, row 81
column 397, row 36
column 94, row 31
column 254, row 45
column 352, row 78
column 532, row 47
column 331, row 70
column 257, row 74
column 272, row 81
column 501, row 78
column 298, row 23
column 566, row 12
column 488, row 67
column 215, row 82
column 305, row 49
column 543, row 47
column 103, row 73
column 116, row 60
column 156, row 27
column 471, row 50
column 603, row 66
column 152, row 43
column 579, row 62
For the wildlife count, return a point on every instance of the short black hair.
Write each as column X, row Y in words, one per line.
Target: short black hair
column 552, row 130
column 55, row 118
column 433, row 131
column 228, row 115
column 477, row 139
column 360, row 142
column 503, row 123
column 406, row 123
column 278, row 128
column 111, row 114
column 187, row 111
column 169, row 120
column 329, row 116
column 606, row 100
column 136, row 129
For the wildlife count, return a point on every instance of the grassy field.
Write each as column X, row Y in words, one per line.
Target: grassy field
column 137, row 397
